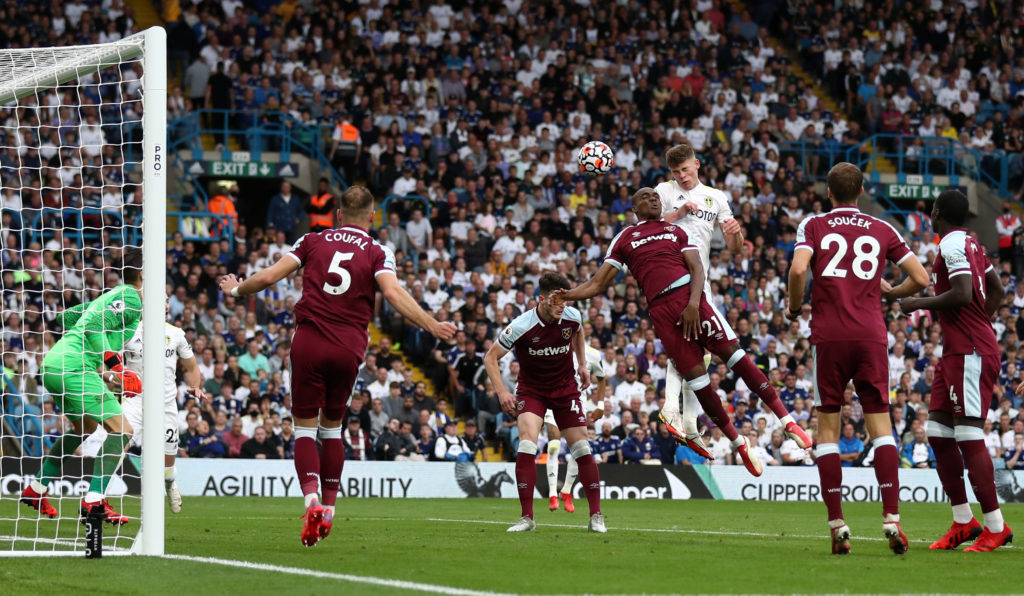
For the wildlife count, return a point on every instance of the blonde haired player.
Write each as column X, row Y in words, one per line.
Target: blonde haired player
column 176, row 350
column 697, row 208
column 593, row 356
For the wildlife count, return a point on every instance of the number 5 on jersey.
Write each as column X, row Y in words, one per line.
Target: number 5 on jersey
column 335, row 267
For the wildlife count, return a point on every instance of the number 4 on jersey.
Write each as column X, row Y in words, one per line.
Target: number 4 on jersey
column 335, row 267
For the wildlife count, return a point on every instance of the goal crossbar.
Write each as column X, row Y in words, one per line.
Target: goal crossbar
column 25, row 71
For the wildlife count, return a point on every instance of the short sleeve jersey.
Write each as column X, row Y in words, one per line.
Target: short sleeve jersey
column 175, row 346
column 967, row 329
column 653, row 252
column 340, row 269
column 699, row 226
column 849, row 252
column 544, row 351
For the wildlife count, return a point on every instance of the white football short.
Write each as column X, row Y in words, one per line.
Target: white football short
column 132, row 407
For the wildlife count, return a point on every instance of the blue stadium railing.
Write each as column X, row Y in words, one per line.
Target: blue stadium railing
column 257, row 131
column 933, row 156
column 408, row 199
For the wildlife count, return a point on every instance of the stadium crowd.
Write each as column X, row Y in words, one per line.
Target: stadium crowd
column 477, row 109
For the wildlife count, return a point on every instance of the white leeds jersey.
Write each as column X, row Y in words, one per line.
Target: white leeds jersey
column 594, row 367
column 175, row 346
column 714, row 207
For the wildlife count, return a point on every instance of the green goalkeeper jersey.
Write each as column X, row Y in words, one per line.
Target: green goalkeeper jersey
column 91, row 329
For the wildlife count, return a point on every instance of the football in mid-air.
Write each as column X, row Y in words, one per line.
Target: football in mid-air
column 596, row 158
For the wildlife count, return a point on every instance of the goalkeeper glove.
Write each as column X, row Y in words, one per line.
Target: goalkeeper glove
column 131, row 383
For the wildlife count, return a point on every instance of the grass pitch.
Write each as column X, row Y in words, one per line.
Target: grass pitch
column 460, row 546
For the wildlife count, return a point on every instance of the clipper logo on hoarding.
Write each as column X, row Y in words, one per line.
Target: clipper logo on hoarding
column 642, row 482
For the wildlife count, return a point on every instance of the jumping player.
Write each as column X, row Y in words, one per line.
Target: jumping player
column 697, row 208
column 176, row 350
column 342, row 269
column 661, row 258
column 847, row 251
column 967, row 292
column 94, row 334
column 545, row 340
column 593, row 356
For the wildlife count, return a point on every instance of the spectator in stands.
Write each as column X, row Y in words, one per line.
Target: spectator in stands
column 474, row 441
column 235, row 438
column 260, row 447
column 286, row 212
column 358, row 446
column 917, row 453
column 206, row 444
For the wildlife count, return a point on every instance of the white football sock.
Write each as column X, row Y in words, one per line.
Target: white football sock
column 994, row 521
column 552, row 466
column 38, row 486
column 786, row 419
column 93, row 497
column 572, row 470
column 329, row 508
column 170, row 474
column 310, row 498
column 673, row 386
column 962, row 513
column 691, row 409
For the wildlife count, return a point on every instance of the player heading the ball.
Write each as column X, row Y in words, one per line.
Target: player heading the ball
column 662, row 259
column 342, row 270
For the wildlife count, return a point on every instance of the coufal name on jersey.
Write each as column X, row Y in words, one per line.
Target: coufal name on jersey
column 643, row 241
column 549, row 351
column 360, row 241
column 849, row 221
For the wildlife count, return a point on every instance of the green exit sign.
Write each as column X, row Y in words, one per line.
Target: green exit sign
column 243, row 169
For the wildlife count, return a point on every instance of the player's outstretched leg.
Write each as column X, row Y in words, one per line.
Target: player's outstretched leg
column 758, row 383
column 830, row 473
column 713, row 407
column 526, row 481
column 554, row 446
column 887, row 464
column 35, row 494
column 571, row 472
column 979, row 471
column 590, row 477
column 307, row 466
column 332, row 463
column 106, row 463
column 949, row 464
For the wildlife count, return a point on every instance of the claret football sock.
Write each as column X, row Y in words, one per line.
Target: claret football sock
column 949, row 461
column 332, row 462
column 830, row 471
column 887, row 466
column 307, row 461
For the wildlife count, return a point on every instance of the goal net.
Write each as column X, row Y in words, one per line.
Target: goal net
column 82, row 141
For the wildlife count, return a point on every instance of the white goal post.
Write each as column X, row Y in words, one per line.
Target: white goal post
column 29, row 78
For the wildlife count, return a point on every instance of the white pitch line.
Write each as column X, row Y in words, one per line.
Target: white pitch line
column 346, row 577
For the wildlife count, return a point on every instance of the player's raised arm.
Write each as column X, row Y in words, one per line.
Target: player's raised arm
column 733, row 232
column 690, row 317
column 193, row 378
column 507, row 400
column 916, row 280
column 260, row 280
column 958, row 296
column 592, row 287
column 407, row 306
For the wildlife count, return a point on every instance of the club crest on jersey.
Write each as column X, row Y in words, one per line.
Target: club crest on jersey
column 709, row 201
column 669, row 228
column 566, row 333
column 520, row 405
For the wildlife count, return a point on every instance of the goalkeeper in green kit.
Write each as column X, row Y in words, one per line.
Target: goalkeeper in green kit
column 94, row 333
